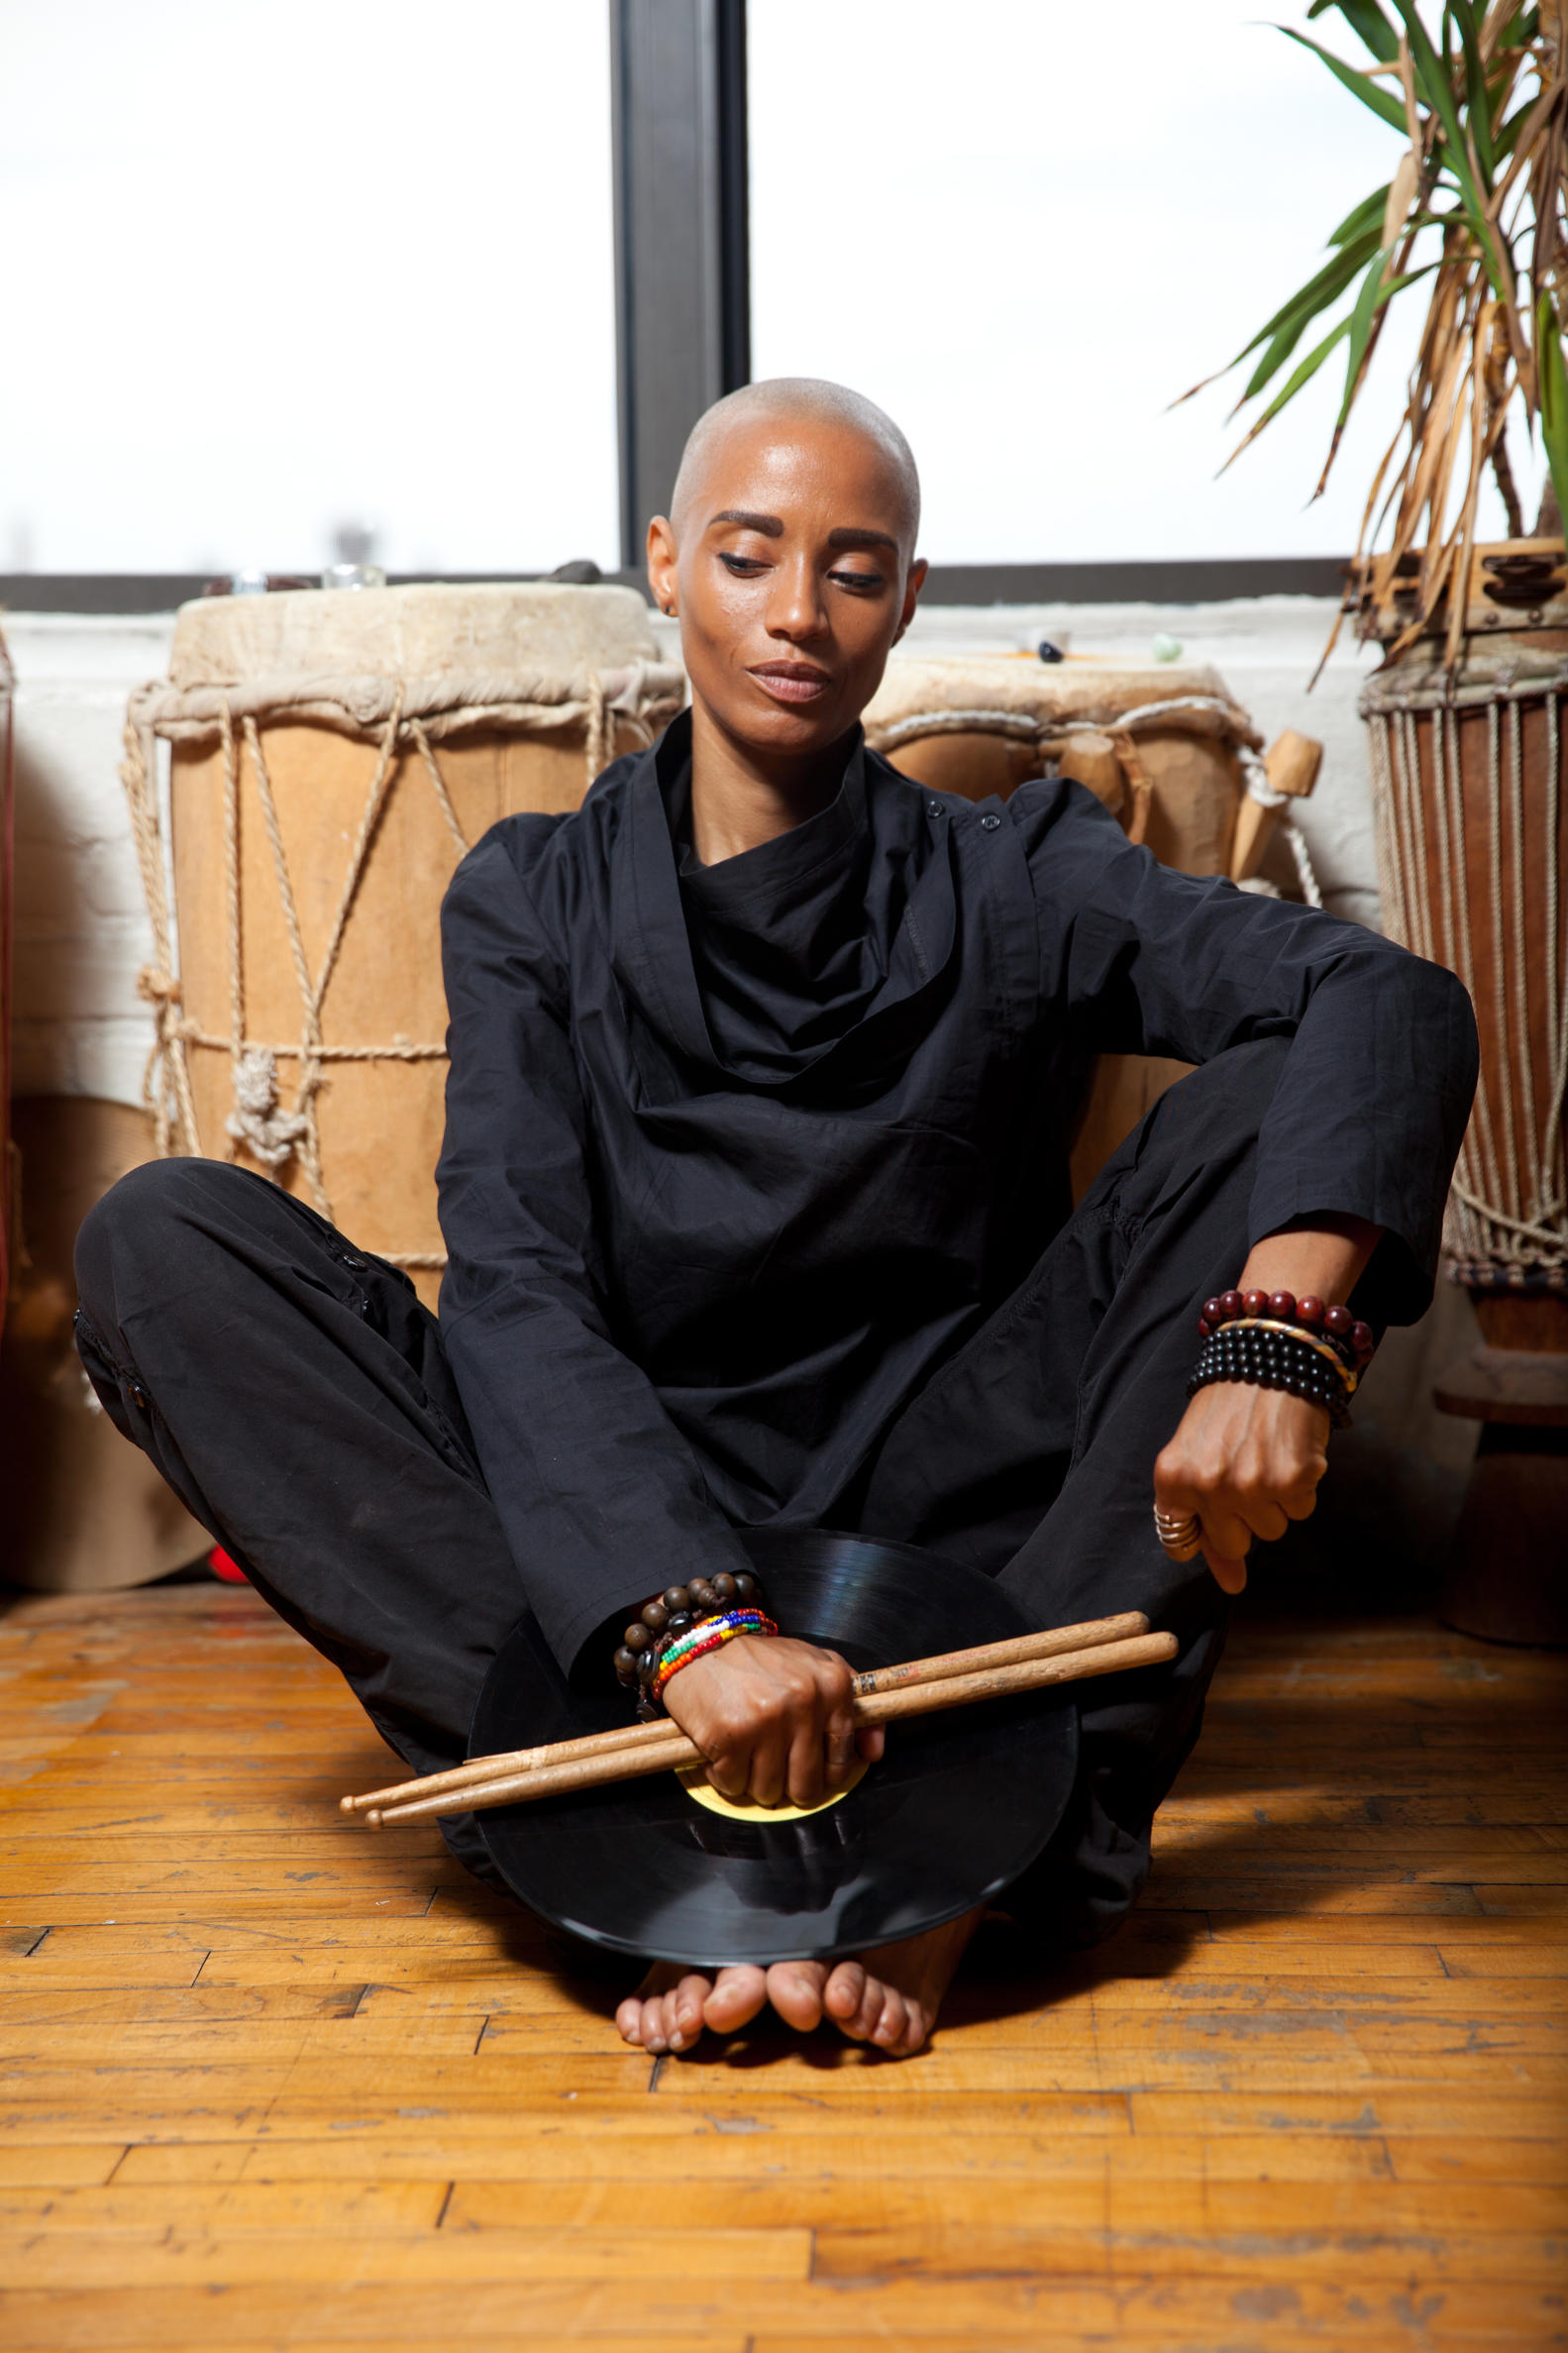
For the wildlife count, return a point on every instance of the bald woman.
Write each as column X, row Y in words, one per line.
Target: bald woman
column 764, row 1064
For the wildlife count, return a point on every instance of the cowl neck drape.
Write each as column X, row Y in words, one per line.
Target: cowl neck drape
column 804, row 948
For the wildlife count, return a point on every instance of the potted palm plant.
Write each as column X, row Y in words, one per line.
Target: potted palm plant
column 1466, row 715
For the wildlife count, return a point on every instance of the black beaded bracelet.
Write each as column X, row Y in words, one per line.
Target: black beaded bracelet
column 1275, row 1359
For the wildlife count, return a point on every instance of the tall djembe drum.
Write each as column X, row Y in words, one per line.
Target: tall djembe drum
column 333, row 757
column 1467, row 777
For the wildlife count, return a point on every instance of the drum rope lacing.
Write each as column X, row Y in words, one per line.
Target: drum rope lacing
column 270, row 1133
column 1025, row 727
column 1508, row 1205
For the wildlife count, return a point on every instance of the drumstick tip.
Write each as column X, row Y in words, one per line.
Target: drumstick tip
column 374, row 1817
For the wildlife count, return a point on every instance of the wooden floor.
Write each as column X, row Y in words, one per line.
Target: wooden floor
column 272, row 2080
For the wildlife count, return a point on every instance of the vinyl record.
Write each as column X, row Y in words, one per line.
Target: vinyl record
column 961, row 1804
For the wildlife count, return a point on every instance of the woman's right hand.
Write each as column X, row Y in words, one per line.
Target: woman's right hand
column 774, row 1719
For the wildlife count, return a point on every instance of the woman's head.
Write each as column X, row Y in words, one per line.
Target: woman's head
column 789, row 554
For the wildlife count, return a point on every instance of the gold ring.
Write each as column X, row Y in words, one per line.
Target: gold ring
column 1181, row 1535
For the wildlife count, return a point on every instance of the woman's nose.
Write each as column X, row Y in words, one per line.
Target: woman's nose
column 796, row 607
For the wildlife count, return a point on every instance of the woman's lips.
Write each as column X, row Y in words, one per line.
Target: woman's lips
column 790, row 682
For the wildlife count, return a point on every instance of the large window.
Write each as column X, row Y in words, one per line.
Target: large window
column 283, row 274
column 285, row 279
column 1025, row 227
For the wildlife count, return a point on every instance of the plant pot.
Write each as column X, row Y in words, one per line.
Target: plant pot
column 1467, row 785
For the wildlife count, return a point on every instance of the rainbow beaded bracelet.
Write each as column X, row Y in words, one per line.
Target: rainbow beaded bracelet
column 681, row 1617
column 710, row 1634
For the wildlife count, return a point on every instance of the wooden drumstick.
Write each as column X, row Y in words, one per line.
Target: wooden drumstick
column 1051, row 1643
column 673, row 1753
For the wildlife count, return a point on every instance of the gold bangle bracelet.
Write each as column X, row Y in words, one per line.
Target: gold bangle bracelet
column 1325, row 1347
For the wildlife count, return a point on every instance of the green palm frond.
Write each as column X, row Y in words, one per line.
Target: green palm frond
column 1476, row 93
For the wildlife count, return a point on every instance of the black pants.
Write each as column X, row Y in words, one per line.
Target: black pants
column 296, row 1395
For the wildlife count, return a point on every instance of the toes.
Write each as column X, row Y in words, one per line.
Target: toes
column 794, row 1988
column 845, row 1992
column 648, row 2030
column 629, row 2020
column 862, row 2028
column 870, row 1994
column 684, row 2011
column 889, row 2032
column 737, row 1996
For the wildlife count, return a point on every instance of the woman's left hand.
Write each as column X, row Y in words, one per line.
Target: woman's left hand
column 1246, row 1461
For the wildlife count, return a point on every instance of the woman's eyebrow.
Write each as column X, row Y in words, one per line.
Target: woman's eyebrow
column 773, row 528
column 769, row 525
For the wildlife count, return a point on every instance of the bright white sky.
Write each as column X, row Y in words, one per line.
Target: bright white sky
column 278, row 265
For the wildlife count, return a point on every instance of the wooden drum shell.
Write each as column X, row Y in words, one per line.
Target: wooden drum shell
column 274, row 778
column 380, row 1121
column 1473, row 856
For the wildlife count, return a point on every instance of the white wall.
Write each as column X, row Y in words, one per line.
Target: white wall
column 82, row 932
column 81, row 921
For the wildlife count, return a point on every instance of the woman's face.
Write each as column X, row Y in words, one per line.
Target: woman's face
column 789, row 566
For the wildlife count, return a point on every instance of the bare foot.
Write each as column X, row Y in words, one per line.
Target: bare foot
column 888, row 1997
column 672, row 2005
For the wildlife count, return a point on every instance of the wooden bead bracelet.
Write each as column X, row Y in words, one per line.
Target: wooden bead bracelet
column 671, row 1617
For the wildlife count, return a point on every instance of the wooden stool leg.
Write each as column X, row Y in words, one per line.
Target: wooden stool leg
column 1507, row 1575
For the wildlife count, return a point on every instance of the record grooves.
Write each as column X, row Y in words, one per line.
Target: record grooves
column 961, row 1804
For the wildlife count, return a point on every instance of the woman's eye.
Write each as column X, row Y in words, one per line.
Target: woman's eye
column 858, row 579
column 742, row 566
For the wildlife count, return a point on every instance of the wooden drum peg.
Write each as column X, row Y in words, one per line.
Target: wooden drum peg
column 1290, row 764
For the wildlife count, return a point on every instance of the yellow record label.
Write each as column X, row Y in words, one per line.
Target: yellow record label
column 695, row 1783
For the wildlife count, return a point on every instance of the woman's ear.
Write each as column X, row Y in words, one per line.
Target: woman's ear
column 911, row 594
column 664, row 559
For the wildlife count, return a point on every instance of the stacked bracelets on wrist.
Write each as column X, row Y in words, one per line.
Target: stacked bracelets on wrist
column 684, row 1624
column 1303, row 1348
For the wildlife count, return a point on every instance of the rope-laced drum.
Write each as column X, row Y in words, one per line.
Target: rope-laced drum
column 1467, row 786
column 333, row 757
column 1167, row 751
column 1473, row 854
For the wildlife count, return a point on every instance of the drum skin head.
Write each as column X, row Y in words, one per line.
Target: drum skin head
column 961, row 1804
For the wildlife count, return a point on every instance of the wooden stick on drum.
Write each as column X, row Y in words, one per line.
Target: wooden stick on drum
column 896, row 1693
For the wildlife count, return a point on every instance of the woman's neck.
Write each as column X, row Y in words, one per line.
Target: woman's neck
column 739, row 802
